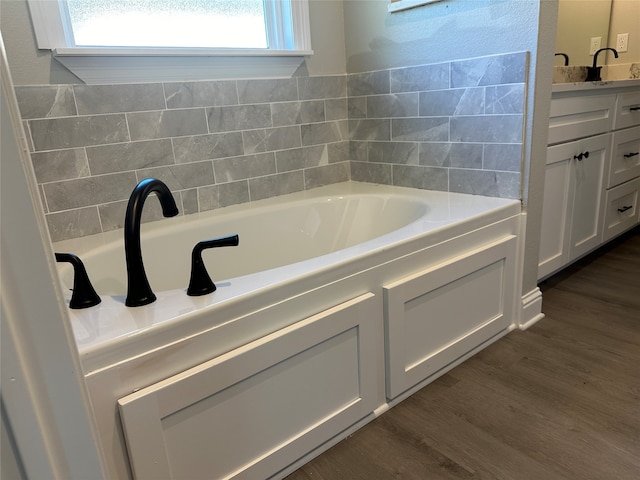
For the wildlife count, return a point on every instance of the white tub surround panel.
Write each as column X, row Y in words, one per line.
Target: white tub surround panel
column 260, row 407
column 436, row 315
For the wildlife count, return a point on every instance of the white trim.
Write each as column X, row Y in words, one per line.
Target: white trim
column 175, row 52
column 47, row 24
column 301, row 25
column 531, row 309
column 407, row 4
column 43, row 390
column 97, row 69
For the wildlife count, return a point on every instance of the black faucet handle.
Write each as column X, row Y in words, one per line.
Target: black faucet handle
column 200, row 282
column 84, row 295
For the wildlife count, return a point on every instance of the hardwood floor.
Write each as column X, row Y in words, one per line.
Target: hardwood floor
column 558, row 401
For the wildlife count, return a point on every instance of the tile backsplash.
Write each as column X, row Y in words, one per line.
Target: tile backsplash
column 453, row 126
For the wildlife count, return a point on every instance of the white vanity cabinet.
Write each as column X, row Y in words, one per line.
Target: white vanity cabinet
column 590, row 190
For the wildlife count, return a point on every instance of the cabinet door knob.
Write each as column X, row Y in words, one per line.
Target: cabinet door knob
column 581, row 155
column 625, row 208
column 629, row 155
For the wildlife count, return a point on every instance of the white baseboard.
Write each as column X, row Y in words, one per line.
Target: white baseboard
column 531, row 309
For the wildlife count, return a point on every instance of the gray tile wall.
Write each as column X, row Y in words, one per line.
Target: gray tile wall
column 455, row 126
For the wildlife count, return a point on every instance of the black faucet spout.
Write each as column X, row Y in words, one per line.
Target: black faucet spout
column 138, row 289
column 595, row 55
column 566, row 58
column 593, row 73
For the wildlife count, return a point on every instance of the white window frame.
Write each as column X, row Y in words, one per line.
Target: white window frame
column 131, row 65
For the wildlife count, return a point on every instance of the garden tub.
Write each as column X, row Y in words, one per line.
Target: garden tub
column 285, row 241
column 365, row 290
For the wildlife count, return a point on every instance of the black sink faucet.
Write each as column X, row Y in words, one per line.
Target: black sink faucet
column 566, row 58
column 593, row 73
column 138, row 288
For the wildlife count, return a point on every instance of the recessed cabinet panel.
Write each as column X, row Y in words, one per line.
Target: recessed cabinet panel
column 437, row 315
column 578, row 117
column 588, row 201
column 622, row 210
column 555, row 208
column 625, row 156
column 627, row 110
column 248, row 412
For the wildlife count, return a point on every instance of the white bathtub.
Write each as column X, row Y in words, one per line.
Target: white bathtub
column 283, row 240
column 327, row 274
column 272, row 233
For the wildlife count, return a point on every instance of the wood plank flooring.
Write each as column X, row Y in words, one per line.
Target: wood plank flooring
column 558, row 401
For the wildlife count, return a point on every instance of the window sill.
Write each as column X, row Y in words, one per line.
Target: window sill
column 122, row 65
column 400, row 5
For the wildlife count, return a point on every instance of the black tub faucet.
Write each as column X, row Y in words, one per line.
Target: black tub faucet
column 138, row 289
column 84, row 295
column 593, row 73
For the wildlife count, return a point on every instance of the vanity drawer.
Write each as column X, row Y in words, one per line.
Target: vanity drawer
column 578, row 117
column 625, row 156
column 621, row 208
column 627, row 110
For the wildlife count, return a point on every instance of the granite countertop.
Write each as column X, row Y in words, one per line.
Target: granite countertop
column 571, row 78
column 591, row 86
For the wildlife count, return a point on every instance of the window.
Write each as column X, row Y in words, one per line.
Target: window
column 115, row 41
column 162, row 23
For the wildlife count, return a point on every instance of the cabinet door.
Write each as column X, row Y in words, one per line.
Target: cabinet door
column 555, row 210
column 572, row 215
column 257, row 409
column 588, row 195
